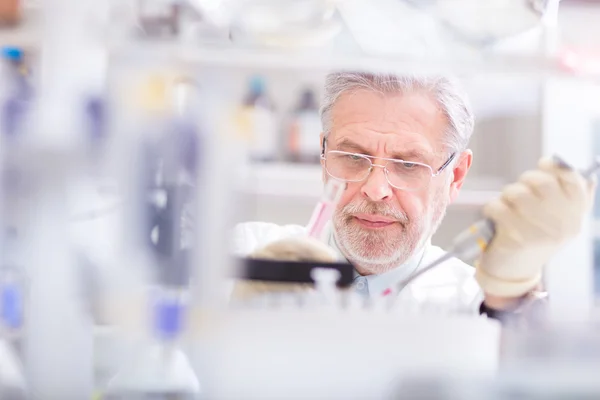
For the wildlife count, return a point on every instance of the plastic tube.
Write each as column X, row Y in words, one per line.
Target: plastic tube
column 325, row 207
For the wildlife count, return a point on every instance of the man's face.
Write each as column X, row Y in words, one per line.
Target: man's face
column 377, row 226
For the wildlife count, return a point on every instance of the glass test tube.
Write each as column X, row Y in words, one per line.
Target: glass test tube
column 325, row 207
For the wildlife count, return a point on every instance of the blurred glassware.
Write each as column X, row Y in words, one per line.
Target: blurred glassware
column 159, row 18
column 484, row 23
column 285, row 23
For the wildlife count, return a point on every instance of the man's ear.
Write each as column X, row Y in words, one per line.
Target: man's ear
column 460, row 170
column 321, row 143
column 322, row 146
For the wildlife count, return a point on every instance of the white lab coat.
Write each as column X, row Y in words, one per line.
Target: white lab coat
column 449, row 287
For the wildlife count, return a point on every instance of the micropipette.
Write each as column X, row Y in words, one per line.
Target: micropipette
column 469, row 244
column 325, row 207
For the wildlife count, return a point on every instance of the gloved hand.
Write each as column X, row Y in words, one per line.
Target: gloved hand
column 301, row 248
column 533, row 218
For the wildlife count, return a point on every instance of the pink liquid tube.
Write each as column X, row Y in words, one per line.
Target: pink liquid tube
column 325, row 207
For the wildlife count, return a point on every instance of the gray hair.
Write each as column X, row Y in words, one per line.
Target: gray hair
column 449, row 95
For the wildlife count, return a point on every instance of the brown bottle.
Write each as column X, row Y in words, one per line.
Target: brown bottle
column 10, row 12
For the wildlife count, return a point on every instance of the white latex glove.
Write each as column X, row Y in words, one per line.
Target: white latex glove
column 534, row 218
column 302, row 248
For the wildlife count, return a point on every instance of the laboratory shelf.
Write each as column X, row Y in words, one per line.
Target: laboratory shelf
column 315, row 59
column 302, row 183
column 347, row 51
column 352, row 49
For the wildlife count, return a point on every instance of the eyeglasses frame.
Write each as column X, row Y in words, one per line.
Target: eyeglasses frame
column 386, row 171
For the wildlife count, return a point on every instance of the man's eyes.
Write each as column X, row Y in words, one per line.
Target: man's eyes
column 408, row 165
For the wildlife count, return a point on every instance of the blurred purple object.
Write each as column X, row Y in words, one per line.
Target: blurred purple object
column 96, row 110
column 13, row 111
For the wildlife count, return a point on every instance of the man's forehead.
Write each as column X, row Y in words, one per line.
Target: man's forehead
column 400, row 123
column 389, row 113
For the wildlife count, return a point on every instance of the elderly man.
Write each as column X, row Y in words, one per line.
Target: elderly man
column 400, row 143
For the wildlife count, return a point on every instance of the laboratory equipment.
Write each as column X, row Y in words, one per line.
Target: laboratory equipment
column 472, row 242
column 261, row 279
column 326, row 284
column 479, row 24
column 305, row 122
column 12, row 380
column 325, row 207
column 291, row 271
column 284, row 23
column 165, row 149
column 160, row 369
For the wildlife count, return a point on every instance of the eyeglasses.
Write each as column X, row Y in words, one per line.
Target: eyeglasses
column 404, row 175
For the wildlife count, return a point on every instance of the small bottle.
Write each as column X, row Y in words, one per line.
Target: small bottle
column 10, row 12
column 304, row 130
column 16, row 92
column 256, row 122
column 159, row 18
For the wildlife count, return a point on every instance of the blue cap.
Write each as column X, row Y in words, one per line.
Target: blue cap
column 12, row 53
column 168, row 314
column 11, row 300
column 257, row 84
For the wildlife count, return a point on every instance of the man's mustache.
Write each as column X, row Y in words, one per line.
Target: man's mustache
column 369, row 207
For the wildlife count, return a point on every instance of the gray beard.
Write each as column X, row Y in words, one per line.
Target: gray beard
column 355, row 242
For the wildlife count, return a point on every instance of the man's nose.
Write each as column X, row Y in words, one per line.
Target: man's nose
column 377, row 187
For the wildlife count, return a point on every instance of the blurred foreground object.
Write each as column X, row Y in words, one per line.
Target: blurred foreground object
column 487, row 22
column 285, row 23
column 316, row 353
column 12, row 380
column 161, row 154
column 160, row 368
column 306, row 249
column 10, row 12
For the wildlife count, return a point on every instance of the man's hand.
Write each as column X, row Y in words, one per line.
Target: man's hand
column 534, row 218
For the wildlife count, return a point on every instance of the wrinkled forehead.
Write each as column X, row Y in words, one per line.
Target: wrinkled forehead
column 391, row 120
